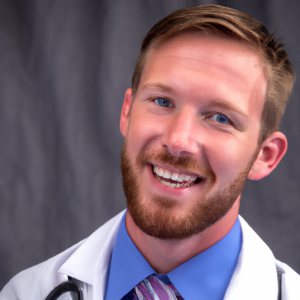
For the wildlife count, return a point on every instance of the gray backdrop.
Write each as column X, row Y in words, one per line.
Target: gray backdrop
column 64, row 67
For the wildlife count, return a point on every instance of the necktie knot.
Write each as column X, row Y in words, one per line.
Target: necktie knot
column 152, row 288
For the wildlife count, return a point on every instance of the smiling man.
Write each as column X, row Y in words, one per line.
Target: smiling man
column 202, row 116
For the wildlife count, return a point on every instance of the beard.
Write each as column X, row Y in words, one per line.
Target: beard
column 158, row 216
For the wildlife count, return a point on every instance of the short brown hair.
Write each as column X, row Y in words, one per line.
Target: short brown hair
column 220, row 20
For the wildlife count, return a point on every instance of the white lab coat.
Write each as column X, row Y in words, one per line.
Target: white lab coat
column 255, row 276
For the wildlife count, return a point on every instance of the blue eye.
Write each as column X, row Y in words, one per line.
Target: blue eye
column 221, row 119
column 162, row 102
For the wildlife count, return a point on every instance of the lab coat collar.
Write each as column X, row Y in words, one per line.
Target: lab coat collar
column 91, row 261
column 255, row 276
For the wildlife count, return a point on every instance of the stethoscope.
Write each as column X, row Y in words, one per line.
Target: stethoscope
column 67, row 290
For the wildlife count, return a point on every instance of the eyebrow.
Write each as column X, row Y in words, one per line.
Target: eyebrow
column 159, row 86
column 226, row 105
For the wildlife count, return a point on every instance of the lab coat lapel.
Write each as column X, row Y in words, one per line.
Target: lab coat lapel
column 255, row 276
column 90, row 263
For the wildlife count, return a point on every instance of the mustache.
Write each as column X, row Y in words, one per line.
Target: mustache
column 188, row 163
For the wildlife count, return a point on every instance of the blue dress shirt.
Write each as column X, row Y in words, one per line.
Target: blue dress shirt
column 205, row 276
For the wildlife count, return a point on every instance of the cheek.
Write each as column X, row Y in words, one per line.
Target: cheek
column 142, row 131
column 230, row 157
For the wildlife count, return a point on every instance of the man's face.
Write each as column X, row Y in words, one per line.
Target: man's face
column 192, row 132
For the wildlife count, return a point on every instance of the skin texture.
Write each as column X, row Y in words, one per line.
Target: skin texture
column 201, row 77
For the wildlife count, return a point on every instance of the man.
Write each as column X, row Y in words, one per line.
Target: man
column 208, row 92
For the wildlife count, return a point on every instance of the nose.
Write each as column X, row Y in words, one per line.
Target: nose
column 181, row 136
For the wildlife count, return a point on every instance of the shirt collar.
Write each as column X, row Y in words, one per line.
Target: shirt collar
column 128, row 267
column 206, row 276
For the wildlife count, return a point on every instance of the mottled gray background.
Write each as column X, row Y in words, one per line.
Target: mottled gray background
column 64, row 67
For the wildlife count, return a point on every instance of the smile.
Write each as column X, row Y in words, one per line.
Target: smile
column 174, row 179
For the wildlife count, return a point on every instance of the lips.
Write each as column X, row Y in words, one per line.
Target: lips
column 174, row 179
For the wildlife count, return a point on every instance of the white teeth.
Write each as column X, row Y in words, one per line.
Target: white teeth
column 160, row 172
column 165, row 183
column 187, row 177
column 171, row 185
column 167, row 174
column 174, row 185
column 181, row 178
column 175, row 176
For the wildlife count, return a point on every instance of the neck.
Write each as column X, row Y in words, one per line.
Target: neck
column 166, row 255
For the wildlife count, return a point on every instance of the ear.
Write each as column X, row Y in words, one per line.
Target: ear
column 271, row 152
column 125, row 113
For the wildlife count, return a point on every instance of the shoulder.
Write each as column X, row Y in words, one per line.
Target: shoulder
column 37, row 281
column 79, row 261
column 257, row 267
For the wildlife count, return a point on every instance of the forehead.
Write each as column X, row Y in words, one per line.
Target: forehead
column 197, row 49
